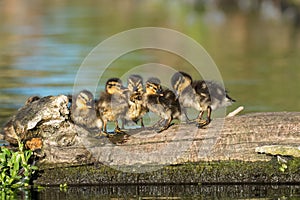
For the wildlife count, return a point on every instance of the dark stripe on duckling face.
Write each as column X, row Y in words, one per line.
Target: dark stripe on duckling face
column 135, row 86
column 153, row 86
column 177, row 84
column 135, row 83
column 84, row 99
column 114, row 85
column 180, row 81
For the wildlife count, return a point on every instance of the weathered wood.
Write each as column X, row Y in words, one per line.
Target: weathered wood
column 224, row 139
column 144, row 150
column 231, row 139
column 282, row 150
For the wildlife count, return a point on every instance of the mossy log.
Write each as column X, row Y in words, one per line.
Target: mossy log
column 224, row 151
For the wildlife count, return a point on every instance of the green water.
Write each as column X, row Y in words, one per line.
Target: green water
column 167, row 192
column 43, row 43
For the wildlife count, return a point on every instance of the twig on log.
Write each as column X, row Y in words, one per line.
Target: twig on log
column 235, row 112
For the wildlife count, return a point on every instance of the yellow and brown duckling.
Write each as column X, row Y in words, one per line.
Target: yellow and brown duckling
column 136, row 109
column 112, row 104
column 161, row 102
column 201, row 95
column 83, row 111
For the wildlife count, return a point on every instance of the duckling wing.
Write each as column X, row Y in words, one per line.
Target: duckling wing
column 169, row 99
column 103, row 101
column 189, row 98
column 104, row 105
column 216, row 90
column 155, row 105
column 218, row 94
column 119, row 105
column 203, row 93
column 112, row 107
column 201, row 88
column 171, row 103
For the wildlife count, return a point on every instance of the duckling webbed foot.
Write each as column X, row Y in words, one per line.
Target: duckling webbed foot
column 202, row 123
column 165, row 127
column 119, row 131
column 161, row 129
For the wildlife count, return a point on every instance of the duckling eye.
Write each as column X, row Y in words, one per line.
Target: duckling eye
column 149, row 86
column 113, row 85
column 84, row 97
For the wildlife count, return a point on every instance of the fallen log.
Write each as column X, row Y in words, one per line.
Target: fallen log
column 224, row 151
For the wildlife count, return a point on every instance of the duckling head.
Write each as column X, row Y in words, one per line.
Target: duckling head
column 114, row 86
column 180, row 81
column 135, row 83
column 32, row 99
column 84, row 100
column 153, row 86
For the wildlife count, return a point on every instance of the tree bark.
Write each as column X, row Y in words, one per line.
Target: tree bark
column 244, row 139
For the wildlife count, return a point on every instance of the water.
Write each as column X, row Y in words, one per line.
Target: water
column 168, row 192
column 43, row 44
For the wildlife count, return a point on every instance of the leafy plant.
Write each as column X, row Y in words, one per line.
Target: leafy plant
column 15, row 169
column 282, row 163
column 63, row 187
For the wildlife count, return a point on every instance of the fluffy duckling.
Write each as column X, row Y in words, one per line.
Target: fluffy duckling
column 83, row 111
column 136, row 109
column 161, row 102
column 201, row 95
column 112, row 104
column 32, row 99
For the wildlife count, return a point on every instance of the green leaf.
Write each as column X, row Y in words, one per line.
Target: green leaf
column 2, row 157
column 16, row 166
column 28, row 154
column 10, row 164
column 284, row 166
column 281, row 169
column 6, row 151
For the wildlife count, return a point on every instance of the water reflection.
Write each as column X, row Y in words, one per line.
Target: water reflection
column 173, row 192
column 254, row 43
column 161, row 191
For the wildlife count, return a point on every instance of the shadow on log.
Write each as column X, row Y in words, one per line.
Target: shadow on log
column 228, row 144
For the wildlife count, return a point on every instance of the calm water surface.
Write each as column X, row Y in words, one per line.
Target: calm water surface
column 175, row 192
column 43, row 43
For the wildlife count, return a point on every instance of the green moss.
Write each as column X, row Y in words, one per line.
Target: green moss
column 198, row 173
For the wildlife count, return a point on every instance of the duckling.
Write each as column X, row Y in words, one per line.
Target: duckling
column 201, row 95
column 161, row 102
column 112, row 104
column 32, row 99
column 83, row 111
column 136, row 109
